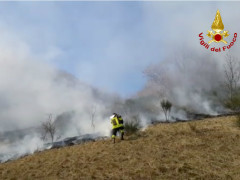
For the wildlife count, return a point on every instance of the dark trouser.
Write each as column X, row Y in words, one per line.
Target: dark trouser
column 114, row 132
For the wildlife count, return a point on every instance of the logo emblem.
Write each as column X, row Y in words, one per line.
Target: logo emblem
column 217, row 26
column 217, row 35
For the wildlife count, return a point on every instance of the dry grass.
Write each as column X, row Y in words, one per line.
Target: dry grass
column 207, row 149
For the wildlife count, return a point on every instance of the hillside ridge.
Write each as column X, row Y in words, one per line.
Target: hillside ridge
column 206, row 149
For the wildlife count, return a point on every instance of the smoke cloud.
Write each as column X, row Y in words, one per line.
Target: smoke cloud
column 185, row 73
column 188, row 74
column 31, row 89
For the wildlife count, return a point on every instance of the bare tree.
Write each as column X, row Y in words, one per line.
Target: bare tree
column 49, row 128
column 92, row 113
column 158, row 78
column 159, row 81
column 166, row 107
column 232, row 75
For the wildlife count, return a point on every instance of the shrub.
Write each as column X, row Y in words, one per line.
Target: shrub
column 132, row 126
column 166, row 107
column 234, row 103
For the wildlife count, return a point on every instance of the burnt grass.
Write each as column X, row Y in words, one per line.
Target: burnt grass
column 206, row 149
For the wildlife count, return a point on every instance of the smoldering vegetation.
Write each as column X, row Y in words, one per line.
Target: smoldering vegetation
column 33, row 93
column 197, row 86
column 32, row 90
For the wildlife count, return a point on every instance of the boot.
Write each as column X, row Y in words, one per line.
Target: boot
column 122, row 136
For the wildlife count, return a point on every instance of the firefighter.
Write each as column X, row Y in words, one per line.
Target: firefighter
column 117, row 126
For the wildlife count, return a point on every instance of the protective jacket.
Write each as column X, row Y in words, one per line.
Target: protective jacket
column 117, row 122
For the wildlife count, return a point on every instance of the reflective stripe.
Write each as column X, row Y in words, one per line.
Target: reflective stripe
column 118, row 126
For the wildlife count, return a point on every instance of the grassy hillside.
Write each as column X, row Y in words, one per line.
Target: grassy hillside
column 207, row 149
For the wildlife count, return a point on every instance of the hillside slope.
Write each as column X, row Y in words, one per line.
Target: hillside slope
column 206, row 149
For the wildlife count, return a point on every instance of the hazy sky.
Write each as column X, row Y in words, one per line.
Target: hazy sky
column 109, row 44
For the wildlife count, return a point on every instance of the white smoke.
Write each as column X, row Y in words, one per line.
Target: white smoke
column 31, row 89
column 27, row 145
